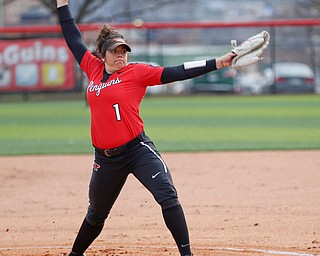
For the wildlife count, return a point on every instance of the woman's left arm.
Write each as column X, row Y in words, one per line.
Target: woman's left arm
column 195, row 68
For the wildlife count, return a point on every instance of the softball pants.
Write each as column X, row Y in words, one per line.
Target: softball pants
column 108, row 178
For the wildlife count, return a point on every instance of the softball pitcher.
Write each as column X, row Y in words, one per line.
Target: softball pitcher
column 121, row 146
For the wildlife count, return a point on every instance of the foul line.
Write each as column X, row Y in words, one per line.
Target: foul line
column 273, row 252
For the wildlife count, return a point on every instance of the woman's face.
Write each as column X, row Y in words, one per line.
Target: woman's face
column 116, row 59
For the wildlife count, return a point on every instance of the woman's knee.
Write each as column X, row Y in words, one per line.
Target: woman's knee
column 169, row 203
column 95, row 218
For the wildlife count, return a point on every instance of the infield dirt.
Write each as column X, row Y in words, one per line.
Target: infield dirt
column 236, row 203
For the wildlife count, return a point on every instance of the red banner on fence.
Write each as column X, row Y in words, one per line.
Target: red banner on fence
column 36, row 65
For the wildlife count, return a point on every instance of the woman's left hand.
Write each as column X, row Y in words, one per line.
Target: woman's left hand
column 225, row 60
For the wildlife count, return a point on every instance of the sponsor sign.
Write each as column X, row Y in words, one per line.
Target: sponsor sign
column 36, row 65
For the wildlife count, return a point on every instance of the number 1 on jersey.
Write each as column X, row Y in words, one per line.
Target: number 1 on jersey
column 117, row 110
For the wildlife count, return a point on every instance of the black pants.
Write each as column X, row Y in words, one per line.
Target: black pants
column 108, row 177
column 145, row 163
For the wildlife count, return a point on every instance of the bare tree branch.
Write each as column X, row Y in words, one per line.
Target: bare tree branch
column 5, row 2
column 156, row 6
column 89, row 7
column 316, row 5
column 50, row 4
column 86, row 7
column 153, row 5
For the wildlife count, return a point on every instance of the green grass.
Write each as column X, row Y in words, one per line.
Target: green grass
column 44, row 128
column 174, row 123
column 235, row 123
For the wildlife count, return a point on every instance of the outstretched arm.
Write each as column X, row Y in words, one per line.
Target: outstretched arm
column 195, row 68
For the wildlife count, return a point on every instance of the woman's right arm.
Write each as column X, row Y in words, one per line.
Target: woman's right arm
column 70, row 30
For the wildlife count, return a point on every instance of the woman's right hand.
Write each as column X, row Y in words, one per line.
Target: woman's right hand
column 61, row 3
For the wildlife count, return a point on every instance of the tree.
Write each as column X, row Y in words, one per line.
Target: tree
column 90, row 6
column 316, row 5
column 85, row 7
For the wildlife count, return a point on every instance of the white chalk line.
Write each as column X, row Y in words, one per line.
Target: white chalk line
column 243, row 250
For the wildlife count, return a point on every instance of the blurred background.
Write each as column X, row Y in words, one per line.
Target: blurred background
column 34, row 58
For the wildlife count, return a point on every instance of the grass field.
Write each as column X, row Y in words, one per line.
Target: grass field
column 197, row 123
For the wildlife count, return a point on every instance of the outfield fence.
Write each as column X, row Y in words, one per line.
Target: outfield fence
column 35, row 59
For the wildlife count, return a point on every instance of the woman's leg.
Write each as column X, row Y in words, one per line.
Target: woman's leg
column 176, row 223
column 86, row 235
column 153, row 173
column 106, row 183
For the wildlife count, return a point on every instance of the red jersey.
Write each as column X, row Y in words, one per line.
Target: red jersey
column 115, row 103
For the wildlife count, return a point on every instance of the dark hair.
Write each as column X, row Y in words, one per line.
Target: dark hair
column 106, row 33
